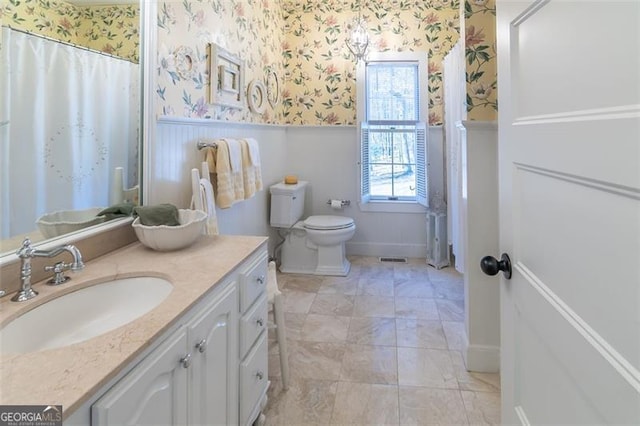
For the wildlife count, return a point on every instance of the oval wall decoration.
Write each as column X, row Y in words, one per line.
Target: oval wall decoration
column 273, row 88
column 185, row 59
column 257, row 96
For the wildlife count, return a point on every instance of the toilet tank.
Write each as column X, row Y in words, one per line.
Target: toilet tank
column 287, row 204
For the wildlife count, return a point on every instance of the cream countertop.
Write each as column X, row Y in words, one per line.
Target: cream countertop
column 70, row 375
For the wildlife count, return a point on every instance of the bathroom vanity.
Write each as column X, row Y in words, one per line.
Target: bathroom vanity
column 199, row 357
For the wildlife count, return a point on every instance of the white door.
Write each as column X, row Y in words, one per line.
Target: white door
column 569, row 96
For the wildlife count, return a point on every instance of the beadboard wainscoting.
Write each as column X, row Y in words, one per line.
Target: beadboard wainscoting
column 326, row 156
column 174, row 153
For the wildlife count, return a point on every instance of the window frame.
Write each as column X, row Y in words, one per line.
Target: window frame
column 402, row 205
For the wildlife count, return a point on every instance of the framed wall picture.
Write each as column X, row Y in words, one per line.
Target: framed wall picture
column 227, row 78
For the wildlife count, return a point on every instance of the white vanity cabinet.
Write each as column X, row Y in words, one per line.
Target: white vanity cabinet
column 210, row 368
column 190, row 379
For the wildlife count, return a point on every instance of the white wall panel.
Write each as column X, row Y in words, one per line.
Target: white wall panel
column 174, row 153
column 327, row 157
column 480, row 217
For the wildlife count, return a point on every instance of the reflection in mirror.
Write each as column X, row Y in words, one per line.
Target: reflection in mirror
column 69, row 115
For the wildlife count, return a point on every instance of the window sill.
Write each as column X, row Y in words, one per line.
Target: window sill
column 380, row 206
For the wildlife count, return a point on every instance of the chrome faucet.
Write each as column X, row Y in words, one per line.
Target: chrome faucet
column 27, row 252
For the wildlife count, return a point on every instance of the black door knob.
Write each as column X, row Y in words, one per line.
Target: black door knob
column 491, row 266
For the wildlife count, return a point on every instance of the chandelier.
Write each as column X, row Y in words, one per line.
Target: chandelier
column 358, row 41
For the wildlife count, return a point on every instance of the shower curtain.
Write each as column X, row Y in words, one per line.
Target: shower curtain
column 69, row 116
column 455, row 113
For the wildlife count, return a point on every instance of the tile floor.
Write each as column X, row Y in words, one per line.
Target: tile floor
column 380, row 346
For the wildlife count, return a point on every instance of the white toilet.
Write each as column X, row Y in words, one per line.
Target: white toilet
column 315, row 245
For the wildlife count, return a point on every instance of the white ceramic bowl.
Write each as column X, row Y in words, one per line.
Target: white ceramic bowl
column 167, row 238
column 64, row 221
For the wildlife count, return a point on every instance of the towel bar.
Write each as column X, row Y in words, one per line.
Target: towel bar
column 206, row 144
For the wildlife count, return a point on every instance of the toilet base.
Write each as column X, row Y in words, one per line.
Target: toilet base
column 299, row 256
column 332, row 261
column 334, row 270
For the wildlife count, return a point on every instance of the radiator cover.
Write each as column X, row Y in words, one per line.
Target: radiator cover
column 437, row 247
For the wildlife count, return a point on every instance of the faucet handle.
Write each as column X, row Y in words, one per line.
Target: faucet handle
column 58, row 269
column 25, row 249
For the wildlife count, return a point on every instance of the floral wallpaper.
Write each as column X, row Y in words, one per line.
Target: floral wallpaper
column 110, row 29
column 319, row 71
column 248, row 29
column 480, row 52
column 302, row 40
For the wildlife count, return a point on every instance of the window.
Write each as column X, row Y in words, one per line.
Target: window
column 391, row 104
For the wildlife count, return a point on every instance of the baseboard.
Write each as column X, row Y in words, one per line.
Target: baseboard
column 481, row 358
column 386, row 250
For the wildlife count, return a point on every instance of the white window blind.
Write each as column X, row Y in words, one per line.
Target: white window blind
column 364, row 162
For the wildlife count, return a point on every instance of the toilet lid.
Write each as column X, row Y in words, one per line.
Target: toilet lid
column 327, row 222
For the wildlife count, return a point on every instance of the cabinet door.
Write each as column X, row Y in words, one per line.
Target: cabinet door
column 213, row 336
column 153, row 393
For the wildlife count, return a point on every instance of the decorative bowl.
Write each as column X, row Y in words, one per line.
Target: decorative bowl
column 167, row 238
column 64, row 221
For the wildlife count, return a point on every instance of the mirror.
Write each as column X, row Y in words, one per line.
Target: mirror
column 70, row 116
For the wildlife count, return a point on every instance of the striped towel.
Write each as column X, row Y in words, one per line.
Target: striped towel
column 235, row 161
column 218, row 162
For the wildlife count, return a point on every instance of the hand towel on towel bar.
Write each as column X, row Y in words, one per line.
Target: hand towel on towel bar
column 229, row 184
column 248, row 171
column 235, row 159
column 254, row 151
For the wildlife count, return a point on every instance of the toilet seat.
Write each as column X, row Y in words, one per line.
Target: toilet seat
column 328, row 222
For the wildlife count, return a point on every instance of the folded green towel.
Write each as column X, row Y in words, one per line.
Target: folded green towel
column 161, row 214
column 117, row 210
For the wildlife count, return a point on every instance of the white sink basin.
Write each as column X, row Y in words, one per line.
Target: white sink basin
column 83, row 314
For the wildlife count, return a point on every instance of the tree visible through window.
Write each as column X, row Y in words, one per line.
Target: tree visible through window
column 393, row 139
column 392, row 162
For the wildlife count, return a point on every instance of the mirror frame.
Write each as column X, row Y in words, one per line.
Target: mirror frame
column 148, row 34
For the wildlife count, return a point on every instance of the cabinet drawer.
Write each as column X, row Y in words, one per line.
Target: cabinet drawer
column 253, row 379
column 252, row 324
column 253, row 282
